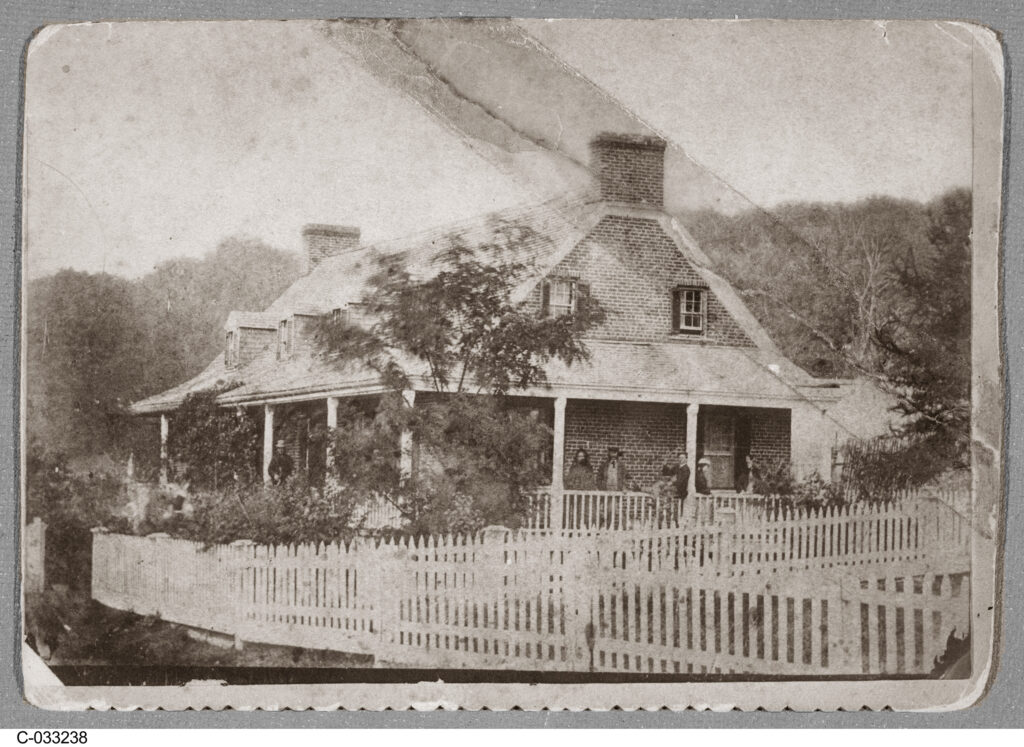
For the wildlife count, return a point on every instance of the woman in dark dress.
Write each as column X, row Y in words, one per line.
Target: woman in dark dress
column 580, row 475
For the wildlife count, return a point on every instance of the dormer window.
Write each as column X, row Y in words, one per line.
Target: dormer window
column 230, row 351
column 561, row 296
column 350, row 313
column 689, row 311
column 284, row 339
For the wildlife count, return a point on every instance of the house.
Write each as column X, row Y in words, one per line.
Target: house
column 679, row 362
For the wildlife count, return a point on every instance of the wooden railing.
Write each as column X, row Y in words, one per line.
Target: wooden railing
column 596, row 510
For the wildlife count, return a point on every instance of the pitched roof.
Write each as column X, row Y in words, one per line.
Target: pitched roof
column 537, row 238
column 251, row 320
column 214, row 375
column 537, row 233
column 706, row 371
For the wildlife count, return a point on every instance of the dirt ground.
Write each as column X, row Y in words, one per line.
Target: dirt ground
column 66, row 627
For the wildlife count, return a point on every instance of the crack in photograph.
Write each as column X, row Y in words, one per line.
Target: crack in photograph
column 513, row 351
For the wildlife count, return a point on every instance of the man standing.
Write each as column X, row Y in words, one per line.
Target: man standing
column 281, row 465
column 682, row 478
column 613, row 474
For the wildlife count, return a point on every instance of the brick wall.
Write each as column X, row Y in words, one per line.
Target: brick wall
column 648, row 434
column 324, row 241
column 632, row 267
column 630, row 168
column 770, row 435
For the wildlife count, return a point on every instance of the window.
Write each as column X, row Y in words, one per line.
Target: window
column 350, row 313
column 689, row 311
column 283, row 339
column 230, row 354
column 561, row 296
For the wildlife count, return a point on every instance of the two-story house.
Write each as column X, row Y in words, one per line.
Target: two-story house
column 679, row 362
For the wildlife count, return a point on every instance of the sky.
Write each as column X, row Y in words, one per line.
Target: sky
column 149, row 141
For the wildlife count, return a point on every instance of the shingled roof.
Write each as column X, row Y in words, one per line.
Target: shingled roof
column 536, row 238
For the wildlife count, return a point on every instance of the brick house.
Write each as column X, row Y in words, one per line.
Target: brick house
column 680, row 360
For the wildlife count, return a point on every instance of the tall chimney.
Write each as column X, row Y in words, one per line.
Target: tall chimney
column 629, row 168
column 323, row 241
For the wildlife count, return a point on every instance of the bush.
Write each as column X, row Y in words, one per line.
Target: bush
column 773, row 477
column 71, row 505
column 884, row 468
column 478, row 460
column 272, row 514
column 216, row 447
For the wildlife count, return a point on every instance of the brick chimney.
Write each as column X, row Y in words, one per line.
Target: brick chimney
column 323, row 241
column 629, row 168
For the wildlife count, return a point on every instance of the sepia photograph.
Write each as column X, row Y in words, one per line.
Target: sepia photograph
column 372, row 362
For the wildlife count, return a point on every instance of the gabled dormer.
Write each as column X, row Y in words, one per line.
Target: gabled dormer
column 295, row 331
column 246, row 335
column 353, row 314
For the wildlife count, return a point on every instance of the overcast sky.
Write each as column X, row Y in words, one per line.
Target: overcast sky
column 149, row 141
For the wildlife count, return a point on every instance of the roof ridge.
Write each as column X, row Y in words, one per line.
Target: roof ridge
column 559, row 204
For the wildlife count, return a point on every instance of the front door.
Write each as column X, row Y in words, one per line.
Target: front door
column 720, row 448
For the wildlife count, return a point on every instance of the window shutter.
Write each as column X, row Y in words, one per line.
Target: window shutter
column 545, row 298
column 675, row 309
column 582, row 293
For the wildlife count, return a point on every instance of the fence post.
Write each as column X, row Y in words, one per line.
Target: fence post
column 557, row 516
column 579, row 594
column 233, row 583
column 726, row 532
column 846, row 656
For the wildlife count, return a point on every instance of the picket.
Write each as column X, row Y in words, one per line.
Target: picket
column 857, row 589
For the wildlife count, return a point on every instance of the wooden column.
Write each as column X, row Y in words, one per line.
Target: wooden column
column 558, row 451
column 406, row 444
column 691, row 445
column 268, row 441
column 165, row 427
column 332, row 423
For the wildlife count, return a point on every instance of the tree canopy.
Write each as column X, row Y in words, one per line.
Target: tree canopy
column 880, row 288
column 479, row 451
column 97, row 342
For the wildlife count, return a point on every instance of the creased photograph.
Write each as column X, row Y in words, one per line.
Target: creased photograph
column 511, row 363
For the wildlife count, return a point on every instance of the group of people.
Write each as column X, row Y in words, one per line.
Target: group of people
column 613, row 474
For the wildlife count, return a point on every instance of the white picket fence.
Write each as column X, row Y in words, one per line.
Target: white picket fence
column 873, row 591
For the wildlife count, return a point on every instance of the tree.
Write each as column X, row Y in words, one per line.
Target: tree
column 95, row 343
column 183, row 303
column 925, row 342
column 84, row 350
column 881, row 289
column 463, row 332
column 216, row 447
column 819, row 277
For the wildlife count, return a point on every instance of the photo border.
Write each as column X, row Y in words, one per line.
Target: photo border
column 19, row 23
